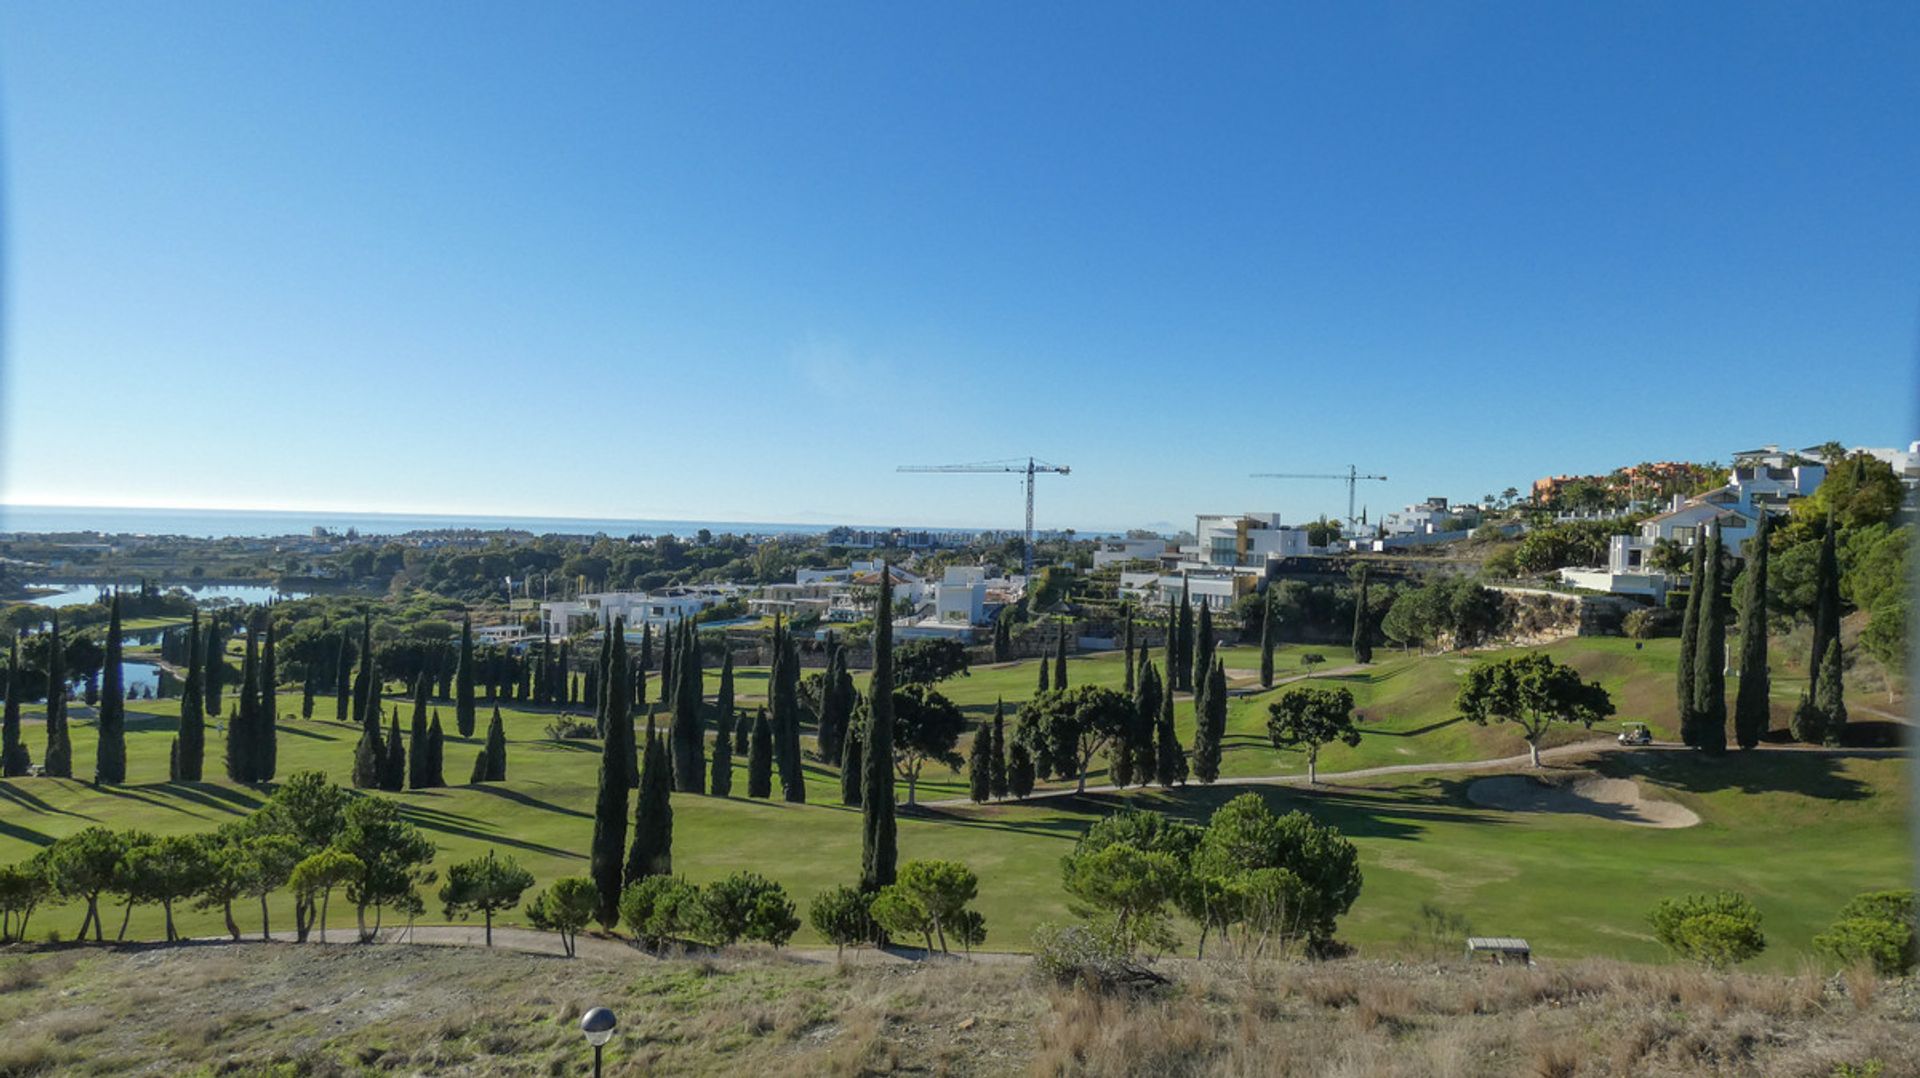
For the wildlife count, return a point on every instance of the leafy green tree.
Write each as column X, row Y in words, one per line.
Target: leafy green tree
column 84, row 866
column 660, row 909
column 1877, row 929
column 1533, row 692
column 1752, row 708
column 1065, row 731
column 316, row 876
column 23, row 887
column 269, row 862
column 1020, row 771
column 110, row 751
column 652, row 851
column 565, row 907
column 927, row 726
column 1244, row 836
column 165, row 870
column 483, row 885
column 840, row 916
column 898, row 914
column 760, row 757
column 1717, row 930
column 1130, row 886
column 747, row 905
column 942, row 889
column 393, row 854
column 1307, row 718
column 926, row 662
column 1709, row 711
column 879, row 853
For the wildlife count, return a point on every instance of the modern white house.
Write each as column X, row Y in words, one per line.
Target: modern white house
column 640, row 608
column 1753, row 487
column 1121, row 551
column 1243, row 540
column 499, row 634
column 1427, row 518
column 1216, row 589
column 960, row 598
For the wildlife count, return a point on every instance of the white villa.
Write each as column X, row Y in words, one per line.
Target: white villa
column 640, row 608
column 1755, row 486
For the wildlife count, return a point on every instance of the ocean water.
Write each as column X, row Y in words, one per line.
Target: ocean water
column 225, row 523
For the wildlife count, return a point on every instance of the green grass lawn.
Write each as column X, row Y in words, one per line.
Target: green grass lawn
column 1800, row 833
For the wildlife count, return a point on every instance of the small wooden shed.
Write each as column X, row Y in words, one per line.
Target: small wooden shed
column 1502, row 949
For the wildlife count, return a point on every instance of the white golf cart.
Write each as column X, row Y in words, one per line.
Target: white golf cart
column 1635, row 733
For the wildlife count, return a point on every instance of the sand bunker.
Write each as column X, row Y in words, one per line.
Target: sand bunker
column 1610, row 799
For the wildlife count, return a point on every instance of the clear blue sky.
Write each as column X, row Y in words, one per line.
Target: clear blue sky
column 737, row 261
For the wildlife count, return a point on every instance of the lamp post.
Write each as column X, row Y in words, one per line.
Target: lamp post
column 598, row 1025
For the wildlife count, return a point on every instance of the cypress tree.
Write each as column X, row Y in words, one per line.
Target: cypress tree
column 496, row 748
column 1019, row 771
column 760, row 757
column 1060, row 660
column 1146, row 712
column 1832, row 701
column 1752, row 712
column 266, row 756
column 1362, row 623
column 646, row 645
column 58, row 760
column 689, row 736
column 1046, row 668
column 722, row 778
column 1204, row 646
column 980, row 765
column 1126, row 656
column 393, row 776
column 836, row 710
column 1184, row 671
column 1171, row 764
column 14, row 758
column 723, row 710
column 666, row 668
column 436, row 773
column 1002, row 638
column 366, row 691
column 1690, row 645
column 240, row 734
column 997, row 760
column 605, row 864
column 419, row 759
column 342, row 682
column 878, row 849
column 618, row 739
column 1210, row 724
column 189, row 747
column 1826, row 610
column 1710, row 662
column 852, row 762
column 213, row 677
column 786, row 722
column 110, row 752
column 307, row 689
column 369, row 756
column 652, row 850
column 1266, row 641
column 463, row 713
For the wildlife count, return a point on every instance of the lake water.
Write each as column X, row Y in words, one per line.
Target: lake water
column 81, row 594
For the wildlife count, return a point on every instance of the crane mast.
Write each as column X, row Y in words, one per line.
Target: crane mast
column 1352, row 478
column 1029, row 467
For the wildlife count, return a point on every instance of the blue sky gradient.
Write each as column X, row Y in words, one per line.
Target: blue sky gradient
column 738, row 261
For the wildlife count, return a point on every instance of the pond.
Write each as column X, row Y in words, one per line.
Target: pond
column 81, row 594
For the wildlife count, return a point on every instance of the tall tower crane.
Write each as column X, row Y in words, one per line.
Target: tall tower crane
column 1030, row 467
column 1353, row 478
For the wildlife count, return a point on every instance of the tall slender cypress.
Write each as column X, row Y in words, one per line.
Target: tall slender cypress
column 721, row 779
column 213, row 676
column 723, row 707
column 1146, row 710
column 980, row 764
column 1212, row 718
column 436, row 769
column 1060, row 659
column 418, row 757
column 1362, row 622
column 463, row 713
column 1690, row 645
column 652, row 851
column 1266, row 640
column 785, row 687
column 1046, row 672
column 852, row 760
column 1752, row 709
column 189, row 745
column 15, row 760
column 1204, row 644
column 997, row 761
column 879, row 852
column 240, row 734
column 343, row 681
column 689, row 736
column 1126, row 655
column 365, row 689
column 58, row 761
column 266, row 754
column 110, row 751
column 760, row 757
column 1710, row 661
column 618, row 739
column 1826, row 609
column 393, row 772
column 1171, row 766
column 1184, row 673
column 496, row 748
column 605, row 860
column 1832, row 701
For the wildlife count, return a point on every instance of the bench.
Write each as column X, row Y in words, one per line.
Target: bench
column 1501, row 949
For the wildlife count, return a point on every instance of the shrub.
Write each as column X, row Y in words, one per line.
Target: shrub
column 1649, row 622
column 840, row 916
column 1080, row 956
column 568, row 728
column 1717, row 931
column 565, row 907
column 1875, row 929
column 658, row 909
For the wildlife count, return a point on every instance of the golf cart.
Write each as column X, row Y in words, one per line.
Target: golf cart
column 1635, row 733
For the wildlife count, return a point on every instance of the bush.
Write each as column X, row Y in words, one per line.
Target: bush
column 750, row 906
column 1717, row 931
column 840, row 916
column 568, row 728
column 1649, row 622
column 659, row 909
column 1080, row 956
column 1876, row 929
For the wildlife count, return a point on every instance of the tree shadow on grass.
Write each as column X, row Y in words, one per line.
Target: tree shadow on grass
column 25, row 834
column 441, row 822
column 313, row 735
column 529, row 801
column 236, row 802
column 1812, row 773
column 32, row 802
column 1427, row 729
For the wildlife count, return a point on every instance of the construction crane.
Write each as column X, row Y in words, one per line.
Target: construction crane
column 1030, row 467
column 1352, row 478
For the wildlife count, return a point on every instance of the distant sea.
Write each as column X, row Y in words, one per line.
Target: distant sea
column 223, row 523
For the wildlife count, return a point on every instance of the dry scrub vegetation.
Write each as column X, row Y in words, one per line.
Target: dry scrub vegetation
column 287, row 1010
